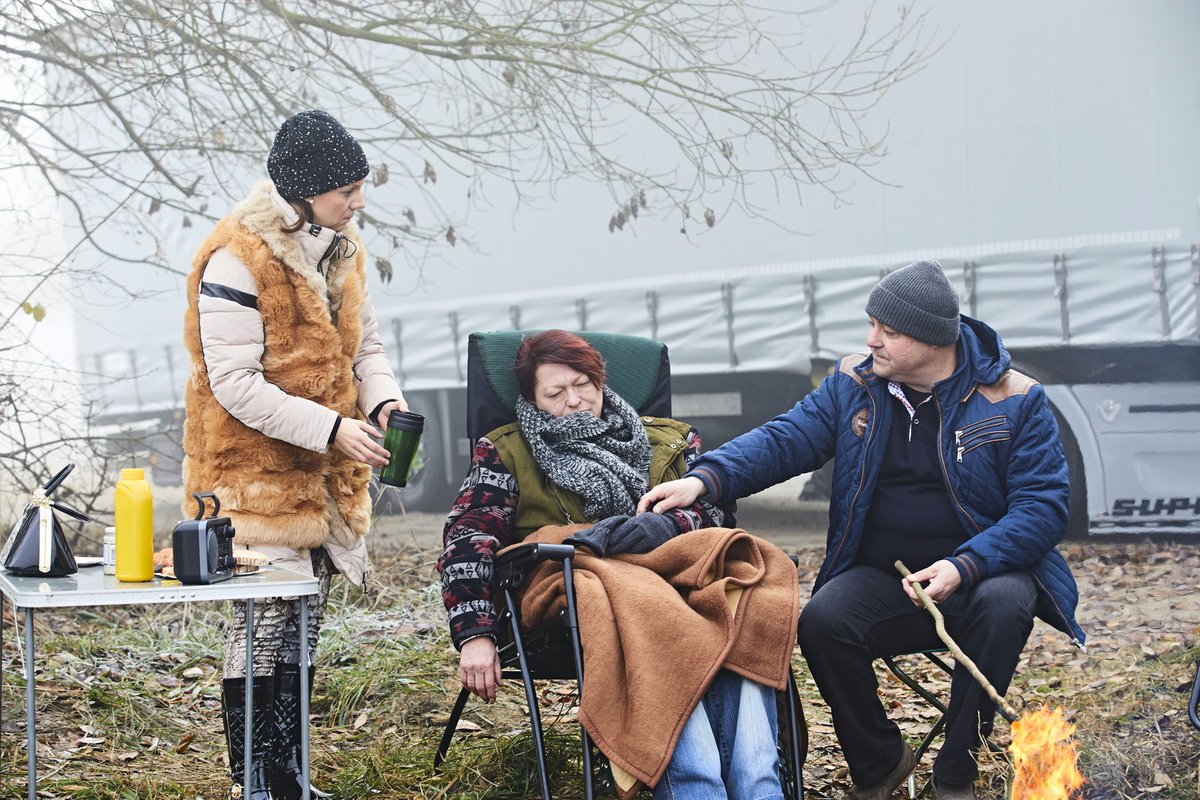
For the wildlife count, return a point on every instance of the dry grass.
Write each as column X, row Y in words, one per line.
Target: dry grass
column 128, row 699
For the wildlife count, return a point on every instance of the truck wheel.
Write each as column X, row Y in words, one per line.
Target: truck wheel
column 1077, row 516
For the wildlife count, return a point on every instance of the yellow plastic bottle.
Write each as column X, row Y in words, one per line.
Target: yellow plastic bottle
column 135, row 527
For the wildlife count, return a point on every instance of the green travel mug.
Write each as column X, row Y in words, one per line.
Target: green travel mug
column 401, row 438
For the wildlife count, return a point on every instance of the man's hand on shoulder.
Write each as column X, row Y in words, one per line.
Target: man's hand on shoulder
column 672, row 494
column 943, row 581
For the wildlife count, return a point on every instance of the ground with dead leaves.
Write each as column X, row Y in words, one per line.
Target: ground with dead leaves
column 128, row 699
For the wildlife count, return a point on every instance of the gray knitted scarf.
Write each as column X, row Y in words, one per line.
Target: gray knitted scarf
column 605, row 460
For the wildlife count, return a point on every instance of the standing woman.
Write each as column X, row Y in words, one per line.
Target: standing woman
column 287, row 373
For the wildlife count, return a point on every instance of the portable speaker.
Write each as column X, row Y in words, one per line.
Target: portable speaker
column 203, row 547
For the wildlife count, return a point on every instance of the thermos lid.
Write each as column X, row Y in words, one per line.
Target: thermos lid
column 406, row 421
column 133, row 474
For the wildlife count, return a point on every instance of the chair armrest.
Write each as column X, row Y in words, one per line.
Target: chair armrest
column 513, row 565
column 553, row 552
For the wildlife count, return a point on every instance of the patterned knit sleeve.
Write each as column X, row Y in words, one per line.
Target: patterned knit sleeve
column 480, row 524
column 703, row 513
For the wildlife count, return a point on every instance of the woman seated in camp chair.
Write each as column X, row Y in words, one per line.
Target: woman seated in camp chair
column 579, row 453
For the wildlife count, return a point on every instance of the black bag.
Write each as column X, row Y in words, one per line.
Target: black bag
column 37, row 547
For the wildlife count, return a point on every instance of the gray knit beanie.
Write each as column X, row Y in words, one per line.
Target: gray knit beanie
column 919, row 302
column 314, row 154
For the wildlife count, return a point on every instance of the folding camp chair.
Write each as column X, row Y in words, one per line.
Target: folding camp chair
column 639, row 370
column 908, row 680
column 1194, row 703
column 935, row 657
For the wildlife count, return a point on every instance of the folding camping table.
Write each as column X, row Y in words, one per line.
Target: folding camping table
column 90, row 587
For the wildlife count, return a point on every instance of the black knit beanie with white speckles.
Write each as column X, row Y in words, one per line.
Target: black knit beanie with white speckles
column 314, row 154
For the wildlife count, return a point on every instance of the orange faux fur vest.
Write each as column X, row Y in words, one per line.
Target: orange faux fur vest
column 275, row 492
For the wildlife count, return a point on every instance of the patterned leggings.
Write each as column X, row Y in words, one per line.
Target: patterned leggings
column 277, row 626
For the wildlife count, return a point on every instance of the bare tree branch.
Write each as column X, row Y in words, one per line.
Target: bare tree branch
column 531, row 92
column 140, row 116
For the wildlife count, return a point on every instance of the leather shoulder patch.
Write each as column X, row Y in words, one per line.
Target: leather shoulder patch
column 858, row 424
column 1011, row 383
column 848, row 363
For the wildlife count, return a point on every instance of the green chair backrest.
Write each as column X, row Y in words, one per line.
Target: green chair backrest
column 637, row 367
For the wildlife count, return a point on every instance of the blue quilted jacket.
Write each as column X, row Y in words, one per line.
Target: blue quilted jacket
column 1000, row 452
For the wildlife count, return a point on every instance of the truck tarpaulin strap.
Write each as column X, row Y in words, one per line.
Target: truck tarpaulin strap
column 969, row 295
column 1060, row 292
column 810, row 309
column 727, row 312
column 1196, row 284
column 398, row 335
column 1158, row 258
column 652, row 312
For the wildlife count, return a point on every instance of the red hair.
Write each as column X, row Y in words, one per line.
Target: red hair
column 556, row 347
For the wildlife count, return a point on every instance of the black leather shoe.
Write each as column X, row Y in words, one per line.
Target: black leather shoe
column 953, row 791
column 886, row 787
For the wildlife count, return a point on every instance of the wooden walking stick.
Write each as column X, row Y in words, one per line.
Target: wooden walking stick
column 960, row 657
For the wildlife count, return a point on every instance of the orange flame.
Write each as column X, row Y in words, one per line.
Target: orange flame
column 1044, row 757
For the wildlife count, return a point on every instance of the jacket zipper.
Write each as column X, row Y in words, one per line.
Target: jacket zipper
column 961, row 449
column 980, row 441
column 946, row 475
column 1066, row 622
column 942, row 461
column 862, row 476
column 329, row 251
column 989, row 422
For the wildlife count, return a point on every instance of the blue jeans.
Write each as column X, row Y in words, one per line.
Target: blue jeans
column 727, row 747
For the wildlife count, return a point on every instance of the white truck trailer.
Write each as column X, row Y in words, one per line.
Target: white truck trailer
column 1110, row 327
column 1026, row 124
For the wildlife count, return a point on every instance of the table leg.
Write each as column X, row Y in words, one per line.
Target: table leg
column 248, row 738
column 30, row 719
column 304, row 689
column 2, row 670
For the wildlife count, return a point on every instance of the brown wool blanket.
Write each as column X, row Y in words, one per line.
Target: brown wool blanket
column 657, row 627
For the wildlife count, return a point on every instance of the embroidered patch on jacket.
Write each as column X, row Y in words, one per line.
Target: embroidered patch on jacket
column 859, row 423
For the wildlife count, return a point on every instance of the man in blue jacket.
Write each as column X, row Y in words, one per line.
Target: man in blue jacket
column 945, row 459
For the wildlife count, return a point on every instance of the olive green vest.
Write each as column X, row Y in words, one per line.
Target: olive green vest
column 542, row 503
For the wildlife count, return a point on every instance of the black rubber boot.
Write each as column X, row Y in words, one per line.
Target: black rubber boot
column 287, row 778
column 233, row 710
